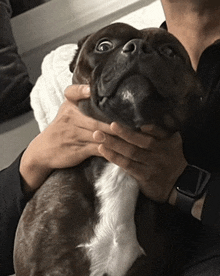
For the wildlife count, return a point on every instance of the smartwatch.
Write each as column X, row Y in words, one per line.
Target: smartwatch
column 190, row 186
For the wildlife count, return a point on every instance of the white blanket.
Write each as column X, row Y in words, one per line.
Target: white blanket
column 48, row 92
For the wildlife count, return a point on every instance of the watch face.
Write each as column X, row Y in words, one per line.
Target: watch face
column 192, row 181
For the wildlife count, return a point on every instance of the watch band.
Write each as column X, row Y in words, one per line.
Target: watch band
column 191, row 186
column 184, row 203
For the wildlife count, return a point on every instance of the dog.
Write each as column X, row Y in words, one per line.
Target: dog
column 92, row 219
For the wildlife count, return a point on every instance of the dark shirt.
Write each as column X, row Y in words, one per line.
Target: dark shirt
column 203, row 147
column 202, row 141
column 12, row 203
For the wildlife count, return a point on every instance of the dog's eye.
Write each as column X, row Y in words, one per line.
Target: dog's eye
column 104, row 46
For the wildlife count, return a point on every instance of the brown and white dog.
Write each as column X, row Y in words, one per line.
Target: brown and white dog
column 92, row 219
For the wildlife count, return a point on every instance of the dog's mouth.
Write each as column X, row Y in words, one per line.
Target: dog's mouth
column 134, row 102
column 126, row 89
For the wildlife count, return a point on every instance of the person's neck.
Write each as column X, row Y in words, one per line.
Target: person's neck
column 195, row 23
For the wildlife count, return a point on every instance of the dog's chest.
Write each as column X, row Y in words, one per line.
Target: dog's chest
column 114, row 246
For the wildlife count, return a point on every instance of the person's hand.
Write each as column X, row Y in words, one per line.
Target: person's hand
column 66, row 142
column 154, row 159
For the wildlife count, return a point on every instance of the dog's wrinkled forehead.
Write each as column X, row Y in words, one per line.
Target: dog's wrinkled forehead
column 116, row 36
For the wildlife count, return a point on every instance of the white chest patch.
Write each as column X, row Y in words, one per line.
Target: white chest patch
column 114, row 247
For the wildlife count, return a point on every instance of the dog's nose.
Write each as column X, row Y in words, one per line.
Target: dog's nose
column 136, row 46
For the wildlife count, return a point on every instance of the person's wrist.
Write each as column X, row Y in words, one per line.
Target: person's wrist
column 32, row 172
column 189, row 191
column 173, row 196
column 197, row 208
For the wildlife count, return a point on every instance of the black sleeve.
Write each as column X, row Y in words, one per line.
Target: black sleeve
column 12, row 203
column 211, row 209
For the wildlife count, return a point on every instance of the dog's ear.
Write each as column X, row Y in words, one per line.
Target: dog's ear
column 79, row 46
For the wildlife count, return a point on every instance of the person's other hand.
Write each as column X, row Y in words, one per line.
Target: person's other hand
column 152, row 157
column 66, row 142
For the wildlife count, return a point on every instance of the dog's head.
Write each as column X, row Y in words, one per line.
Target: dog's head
column 137, row 77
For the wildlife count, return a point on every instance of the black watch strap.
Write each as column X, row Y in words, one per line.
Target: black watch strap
column 184, row 202
column 191, row 186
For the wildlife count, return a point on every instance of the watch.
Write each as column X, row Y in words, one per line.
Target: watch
column 190, row 186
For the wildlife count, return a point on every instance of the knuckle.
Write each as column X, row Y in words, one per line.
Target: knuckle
column 111, row 157
column 95, row 124
column 150, row 143
column 114, row 157
column 133, row 153
column 159, row 195
column 121, row 161
column 65, row 118
column 126, row 164
column 125, row 132
column 66, row 108
column 74, row 88
column 67, row 91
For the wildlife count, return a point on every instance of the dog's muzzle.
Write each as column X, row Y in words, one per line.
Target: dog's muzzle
column 126, row 93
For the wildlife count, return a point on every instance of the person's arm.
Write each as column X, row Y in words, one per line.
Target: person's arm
column 145, row 154
column 66, row 142
column 12, row 202
column 157, row 162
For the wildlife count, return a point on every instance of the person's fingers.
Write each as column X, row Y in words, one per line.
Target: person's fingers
column 150, row 137
column 75, row 93
column 82, row 136
column 83, row 153
column 69, row 111
column 139, row 139
column 130, row 166
column 91, row 150
column 122, row 147
column 155, row 181
column 156, row 132
column 89, row 123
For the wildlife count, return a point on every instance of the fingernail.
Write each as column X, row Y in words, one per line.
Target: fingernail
column 100, row 149
column 115, row 127
column 99, row 136
column 86, row 91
